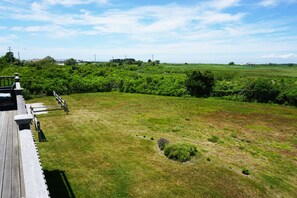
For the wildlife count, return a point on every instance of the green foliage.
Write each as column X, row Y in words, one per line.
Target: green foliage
column 180, row 152
column 200, row 84
column 228, row 88
column 49, row 60
column 9, row 59
column 288, row 96
column 231, row 63
column 162, row 142
column 40, row 77
column 70, row 61
column 261, row 90
column 245, row 171
column 213, row 139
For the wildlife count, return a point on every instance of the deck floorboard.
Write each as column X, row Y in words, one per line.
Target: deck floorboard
column 10, row 174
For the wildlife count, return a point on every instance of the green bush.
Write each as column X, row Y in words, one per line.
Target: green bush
column 200, row 84
column 289, row 96
column 213, row 139
column 180, row 152
column 261, row 90
column 245, row 171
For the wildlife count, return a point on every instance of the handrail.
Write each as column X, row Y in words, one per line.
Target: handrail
column 34, row 183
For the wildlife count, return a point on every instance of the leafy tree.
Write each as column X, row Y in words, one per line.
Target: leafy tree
column 231, row 63
column 261, row 90
column 8, row 58
column 70, row 62
column 200, row 84
column 48, row 59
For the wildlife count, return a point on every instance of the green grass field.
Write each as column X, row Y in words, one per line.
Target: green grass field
column 105, row 148
column 282, row 71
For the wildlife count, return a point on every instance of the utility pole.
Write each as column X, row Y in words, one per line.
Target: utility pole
column 95, row 57
column 153, row 58
column 19, row 56
column 10, row 55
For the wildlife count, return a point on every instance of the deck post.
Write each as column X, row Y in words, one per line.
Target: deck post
column 23, row 121
column 18, row 89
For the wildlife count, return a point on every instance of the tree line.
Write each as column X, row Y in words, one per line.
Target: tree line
column 40, row 78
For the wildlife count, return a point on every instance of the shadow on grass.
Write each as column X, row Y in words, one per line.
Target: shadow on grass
column 58, row 184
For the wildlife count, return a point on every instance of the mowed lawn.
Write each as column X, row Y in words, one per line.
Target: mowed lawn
column 107, row 146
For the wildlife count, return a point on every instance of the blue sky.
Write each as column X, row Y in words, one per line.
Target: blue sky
column 215, row 31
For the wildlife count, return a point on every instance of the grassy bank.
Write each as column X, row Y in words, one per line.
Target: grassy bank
column 106, row 149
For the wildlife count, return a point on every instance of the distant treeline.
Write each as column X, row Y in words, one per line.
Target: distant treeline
column 40, row 78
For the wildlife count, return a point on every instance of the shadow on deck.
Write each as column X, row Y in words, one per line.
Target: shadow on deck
column 58, row 184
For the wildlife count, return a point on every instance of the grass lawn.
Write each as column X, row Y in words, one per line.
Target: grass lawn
column 106, row 149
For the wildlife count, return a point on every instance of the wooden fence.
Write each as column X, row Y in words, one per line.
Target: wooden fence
column 62, row 102
column 41, row 136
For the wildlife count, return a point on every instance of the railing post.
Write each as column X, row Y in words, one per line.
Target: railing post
column 23, row 121
column 18, row 89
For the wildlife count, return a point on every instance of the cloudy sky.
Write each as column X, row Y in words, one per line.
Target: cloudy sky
column 214, row 31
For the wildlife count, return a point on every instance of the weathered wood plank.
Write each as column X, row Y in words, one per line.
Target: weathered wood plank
column 7, row 180
column 21, row 105
column 31, row 167
column 3, row 138
column 10, row 160
column 16, row 173
column 1, row 122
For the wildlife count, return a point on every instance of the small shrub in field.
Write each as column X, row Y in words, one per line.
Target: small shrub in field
column 213, row 139
column 180, row 152
column 162, row 142
column 245, row 171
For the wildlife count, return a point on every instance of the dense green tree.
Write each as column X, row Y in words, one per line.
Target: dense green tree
column 48, row 59
column 200, row 84
column 70, row 62
column 8, row 58
column 261, row 90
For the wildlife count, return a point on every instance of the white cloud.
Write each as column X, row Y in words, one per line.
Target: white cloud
column 140, row 21
column 273, row 3
column 222, row 4
column 217, row 17
column 8, row 39
column 74, row 2
column 269, row 3
column 53, row 31
column 281, row 56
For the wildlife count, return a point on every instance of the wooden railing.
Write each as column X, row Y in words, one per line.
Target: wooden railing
column 62, row 102
column 33, row 180
column 7, row 81
column 8, row 99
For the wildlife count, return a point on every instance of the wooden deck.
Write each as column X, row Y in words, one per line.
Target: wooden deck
column 11, row 183
column 21, row 173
